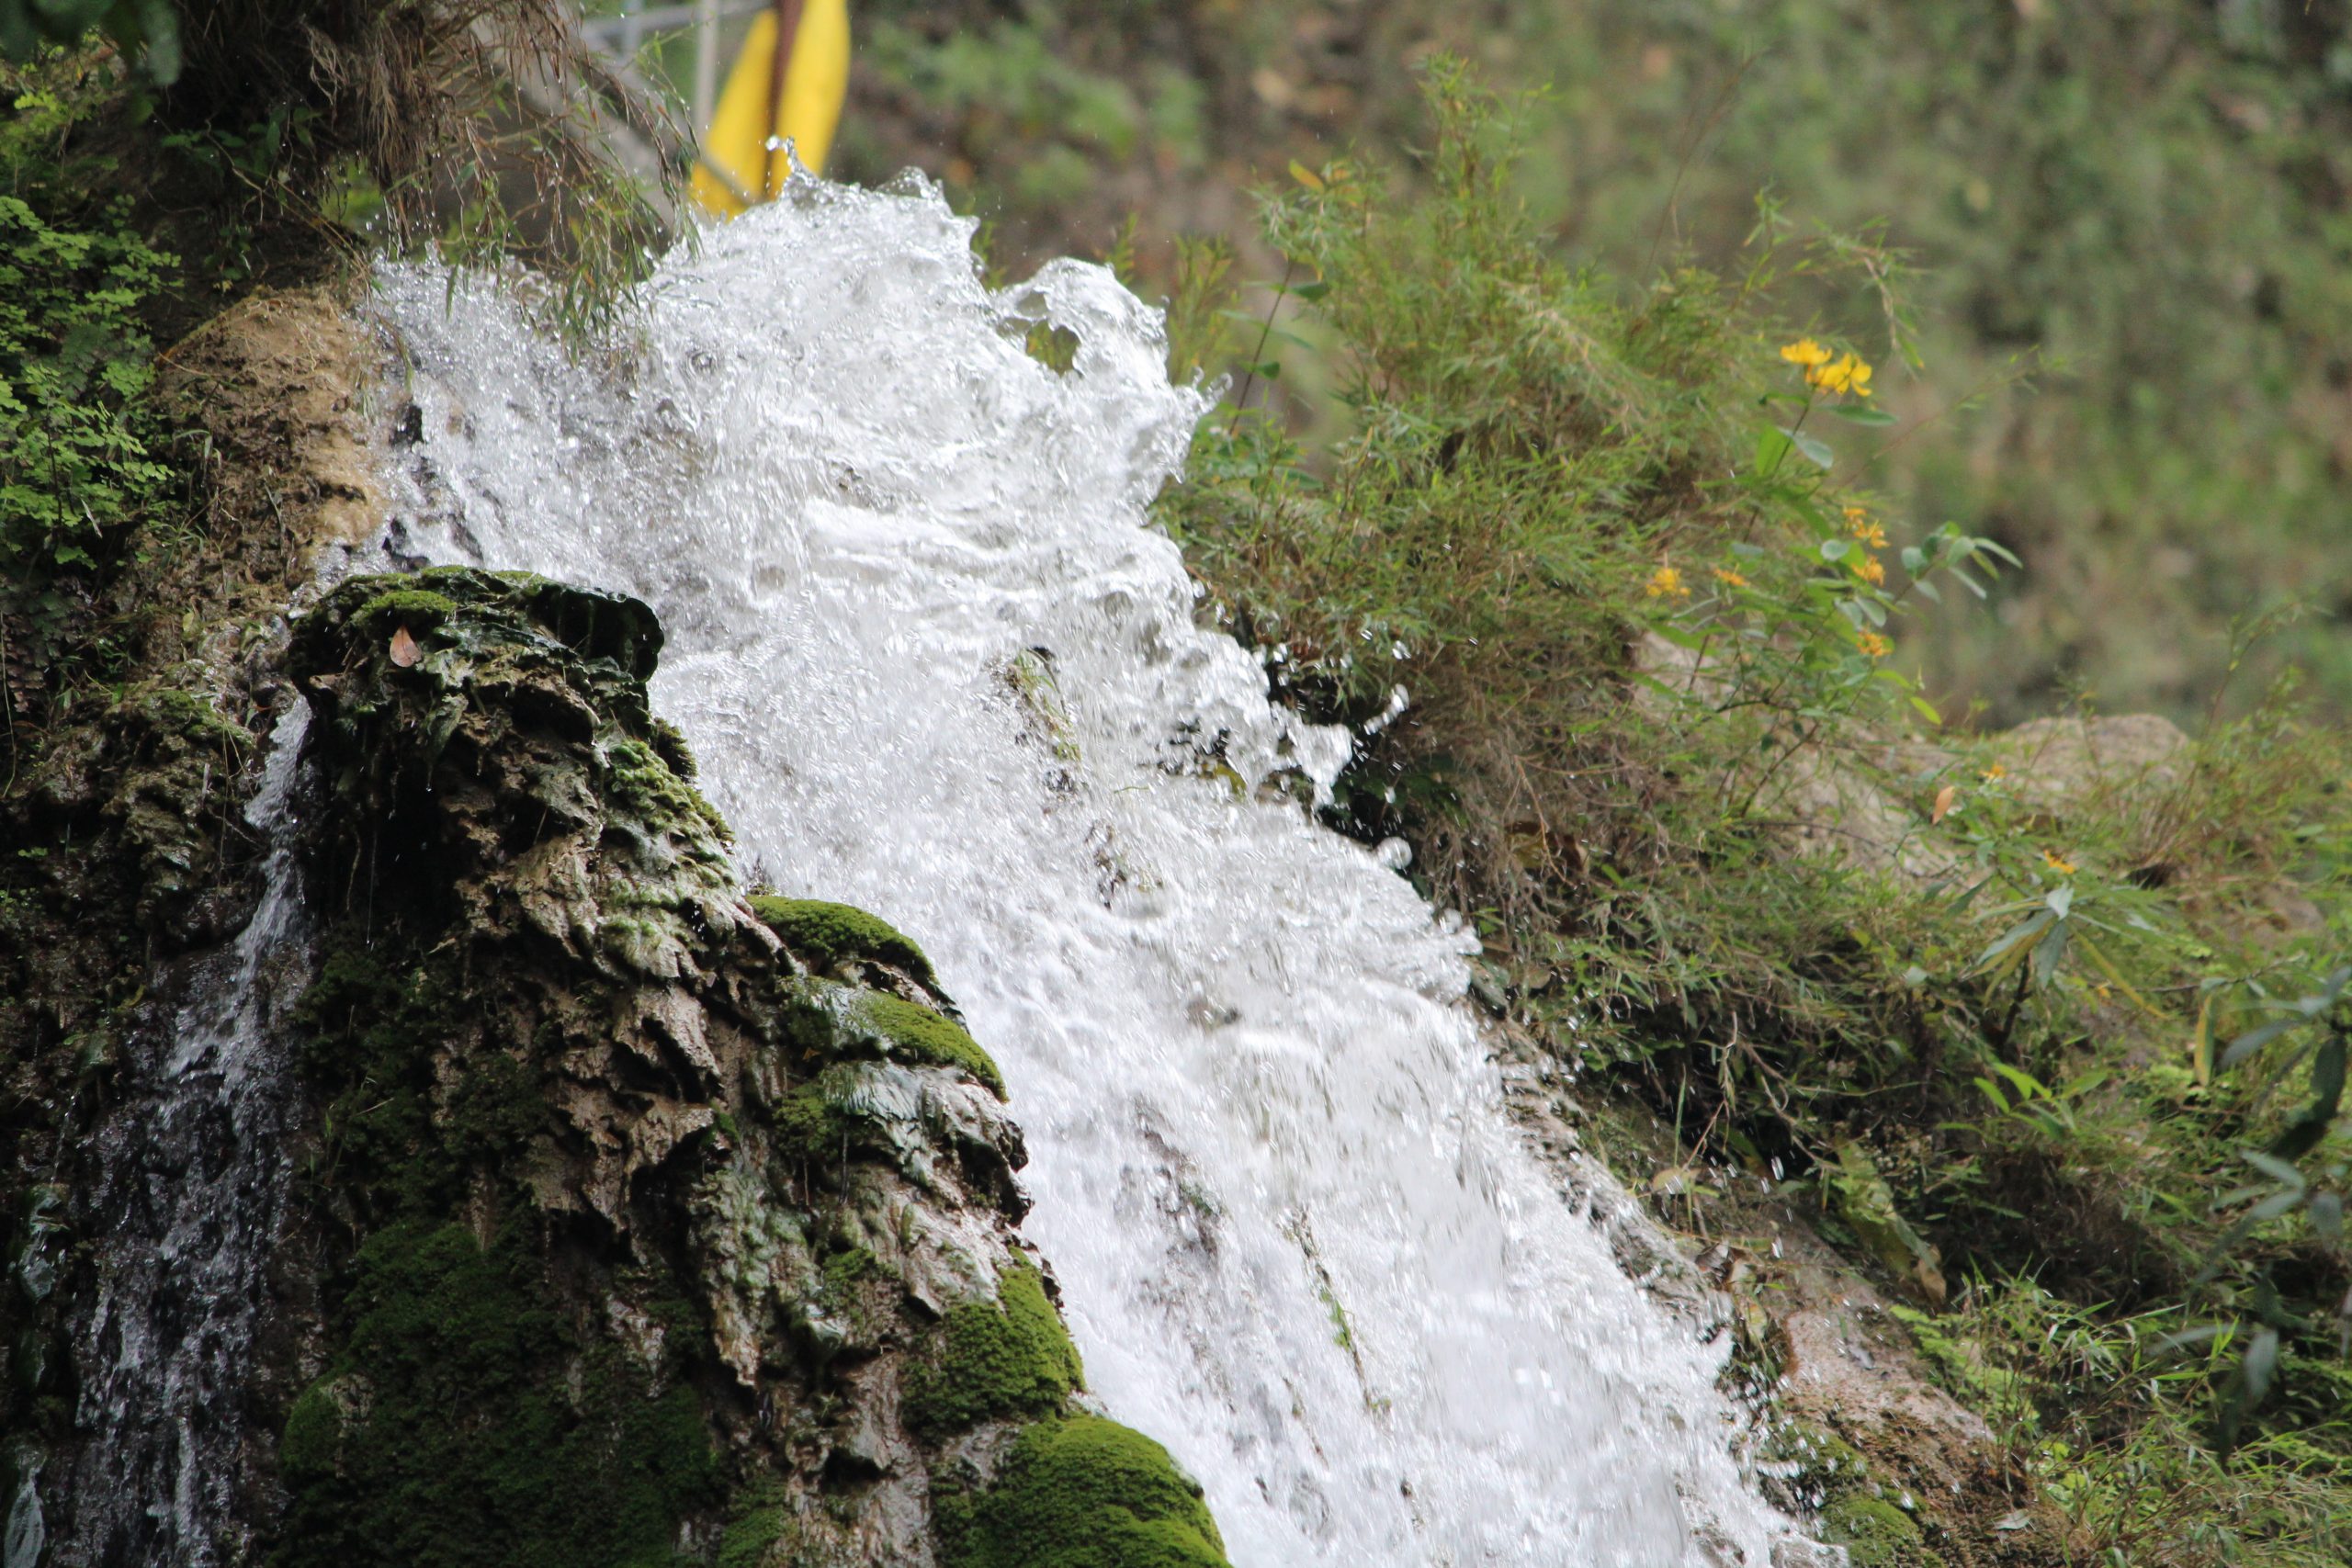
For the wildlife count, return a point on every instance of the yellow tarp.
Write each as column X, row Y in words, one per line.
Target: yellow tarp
column 736, row 160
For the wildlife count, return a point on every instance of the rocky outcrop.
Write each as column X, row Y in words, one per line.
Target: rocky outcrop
column 642, row 1219
column 129, row 870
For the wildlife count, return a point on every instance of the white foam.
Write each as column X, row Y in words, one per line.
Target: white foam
column 1299, row 1237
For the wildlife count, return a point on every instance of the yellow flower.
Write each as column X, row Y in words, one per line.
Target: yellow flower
column 1666, row 583
column 1807, row 352
column 1868, row 570
column 1850, row 374
column 1729, row 578
column 1994, row 774
column 1858, row 524
column 1874, row 646
column 2054, row 861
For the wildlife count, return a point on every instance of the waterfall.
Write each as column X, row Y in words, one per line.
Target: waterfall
column 193, row 1183
column 935, row 662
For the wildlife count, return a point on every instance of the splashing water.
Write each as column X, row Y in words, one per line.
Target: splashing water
column 935, row 663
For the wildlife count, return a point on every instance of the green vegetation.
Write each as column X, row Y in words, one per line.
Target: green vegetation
column 2126, row 221
column 1970, row 997
column 761, row 1520
column 1875, row 1533
column 827, row 935
column 484, row 1433
column 399, row 1142
column 1081, row 1492
column 917, row 1033
column 79, row 436
column 1009, row 1357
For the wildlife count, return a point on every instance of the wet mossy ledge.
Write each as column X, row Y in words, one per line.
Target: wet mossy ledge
column 644, row 1221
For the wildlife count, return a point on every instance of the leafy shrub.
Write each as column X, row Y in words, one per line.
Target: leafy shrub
column 1596, row 587
column 78, row 466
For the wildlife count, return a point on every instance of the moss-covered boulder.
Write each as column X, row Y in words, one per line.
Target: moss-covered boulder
column 1081, row 1492
column 1009, row 1357
column 826, row 935
column 647, row 1218
column 1875, row 1533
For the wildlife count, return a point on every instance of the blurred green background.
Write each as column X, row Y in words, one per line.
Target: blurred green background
column 2126, row 224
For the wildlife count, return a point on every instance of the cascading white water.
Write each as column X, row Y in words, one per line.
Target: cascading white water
column 1298, row 1239
column 194, row 1177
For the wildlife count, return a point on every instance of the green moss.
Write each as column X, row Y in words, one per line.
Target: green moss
column 638, row 778
column 759, row 1521
column 1081, row 1492
column 369, row 1036
column 825, row 933
column 1009, row 1357
column 1813, row 1461
column 418, row 609
column 1875, row 1533
column 313, row 1432
column 917, row 1033
column 490, row 1436
column 809, row 1127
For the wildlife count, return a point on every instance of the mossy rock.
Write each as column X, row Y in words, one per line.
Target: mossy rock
column 849, row 1021
column 1875, row 1533
column 1808, row 1463
column 761, row 1517
column 488, row 1434
column 917, row 1033
column 825, row 933
column 1081, row 1492
column 1009, row 1357
column 462, row 604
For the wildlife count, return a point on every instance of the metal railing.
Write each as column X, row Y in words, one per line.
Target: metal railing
column 622, row 35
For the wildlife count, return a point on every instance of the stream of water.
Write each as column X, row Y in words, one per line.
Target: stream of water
column 194, row 1185
column 934, row 661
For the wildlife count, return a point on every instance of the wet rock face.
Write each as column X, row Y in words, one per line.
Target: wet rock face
column 645, row 1221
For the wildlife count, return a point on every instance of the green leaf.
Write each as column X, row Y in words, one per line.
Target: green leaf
column 1815, row 452
column 2261, row 1363
column 2028, row 1086
column 2050, row 951
column 2023, row 933
column 2311, row 1124
column 2278, row 1169
column 1862, row 413
column 2254, row 1039
column 1772, row 448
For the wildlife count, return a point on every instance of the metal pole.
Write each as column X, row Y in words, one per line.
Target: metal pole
column 705, row 65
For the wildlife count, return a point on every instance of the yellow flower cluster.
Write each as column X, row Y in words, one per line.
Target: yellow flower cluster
column 1848, row 375
column 1858, row 524
column 2058, row 863
column 1666, row 583
column 1829, row 370
column 1729, row 578
column 1874, row 646
column 1870, row 571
